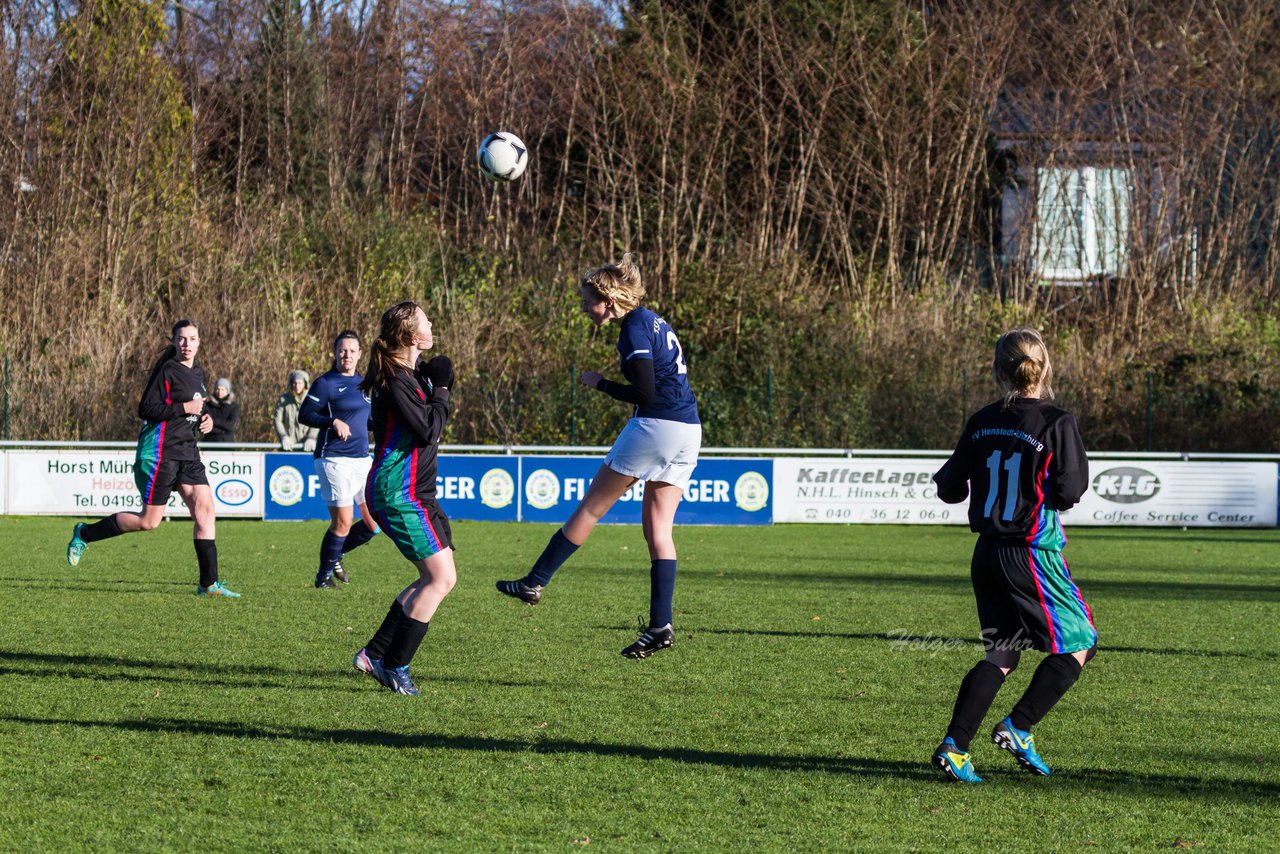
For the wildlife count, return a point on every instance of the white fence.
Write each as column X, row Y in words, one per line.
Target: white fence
column 826, row 485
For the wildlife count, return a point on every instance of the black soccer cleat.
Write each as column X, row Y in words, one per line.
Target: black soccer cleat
column 340, row 573
column 651, row 641
column 529, row 594
column 324, row 580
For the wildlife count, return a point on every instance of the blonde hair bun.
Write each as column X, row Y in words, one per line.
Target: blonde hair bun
column 1021, row 364
column 618, row 283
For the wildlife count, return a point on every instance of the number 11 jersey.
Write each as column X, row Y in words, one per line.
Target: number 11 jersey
column 1019, row 466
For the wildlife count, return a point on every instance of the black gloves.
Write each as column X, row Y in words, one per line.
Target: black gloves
column 440, row 371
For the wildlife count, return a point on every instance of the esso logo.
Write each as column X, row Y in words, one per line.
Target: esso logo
column 1126, row 485
column 234, row 492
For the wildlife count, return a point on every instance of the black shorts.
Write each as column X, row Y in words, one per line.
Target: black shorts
column 1027, row 599
column 157, row 480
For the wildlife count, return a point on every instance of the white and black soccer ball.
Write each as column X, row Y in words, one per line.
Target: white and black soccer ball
column 502, row 156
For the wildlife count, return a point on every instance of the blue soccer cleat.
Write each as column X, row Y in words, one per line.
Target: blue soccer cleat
column 395, row 678
column 75, row 548
column 218, row 589
column 1021, row 744
column 955, row 763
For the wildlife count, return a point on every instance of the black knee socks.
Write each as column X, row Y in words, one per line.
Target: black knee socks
column 1052, row 679
column 207, row 556
column 103, row 529
column 405, row 643
column 359, row 535
column 977, row 692
column 377, row 645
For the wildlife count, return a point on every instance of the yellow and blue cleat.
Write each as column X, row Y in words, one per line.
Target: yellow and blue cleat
column 75, row 548
column 955, row 763
column 1021, row 744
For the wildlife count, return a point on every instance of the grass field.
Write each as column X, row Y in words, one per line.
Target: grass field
column 789, row 715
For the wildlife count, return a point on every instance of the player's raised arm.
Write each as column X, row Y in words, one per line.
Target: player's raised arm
column 424, row 416
column 640, row 392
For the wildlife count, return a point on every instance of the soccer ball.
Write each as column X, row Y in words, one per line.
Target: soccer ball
column 503, row 156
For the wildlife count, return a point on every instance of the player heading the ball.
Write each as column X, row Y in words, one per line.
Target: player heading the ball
column 659, row 445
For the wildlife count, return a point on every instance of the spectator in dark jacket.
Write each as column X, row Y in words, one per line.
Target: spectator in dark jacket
column 224, row 411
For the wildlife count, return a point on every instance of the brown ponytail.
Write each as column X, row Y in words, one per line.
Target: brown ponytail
column 396, row 333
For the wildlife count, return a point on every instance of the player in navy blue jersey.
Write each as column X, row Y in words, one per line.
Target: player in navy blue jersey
column 336, row 405
column 1019, row 462
column 173, row 412
column 659, row 446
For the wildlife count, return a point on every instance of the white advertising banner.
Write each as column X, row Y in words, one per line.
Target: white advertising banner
column 4, row 484
column 1182, row 494
column 1121, row 492
column 95, row 483
column 860, row 490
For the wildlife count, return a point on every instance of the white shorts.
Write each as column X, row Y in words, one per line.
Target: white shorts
column 342, row 479
column 657, row 449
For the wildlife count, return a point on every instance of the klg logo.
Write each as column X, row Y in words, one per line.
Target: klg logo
column 1126, row 485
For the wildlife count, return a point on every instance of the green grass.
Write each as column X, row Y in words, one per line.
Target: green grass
column 135, row 716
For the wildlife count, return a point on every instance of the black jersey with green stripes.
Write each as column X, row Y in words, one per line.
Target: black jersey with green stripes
column 1018, row 465
column 169, row 432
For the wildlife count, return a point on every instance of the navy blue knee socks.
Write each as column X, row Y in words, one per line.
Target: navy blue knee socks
column 662, row 587
column 330, row 549
column 558, row 550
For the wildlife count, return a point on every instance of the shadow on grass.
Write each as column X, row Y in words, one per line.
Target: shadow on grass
column 153, row 678
column 1173, row 535
column 95, row 583
column 1081, row 781
column 50, row 665
column 959, row 582
column 930, row 642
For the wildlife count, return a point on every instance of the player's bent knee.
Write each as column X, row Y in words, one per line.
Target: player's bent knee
column 1005, row 660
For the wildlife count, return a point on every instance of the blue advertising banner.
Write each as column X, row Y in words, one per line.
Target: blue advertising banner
column 483, row 488
column 722, row 492
column 468, row 487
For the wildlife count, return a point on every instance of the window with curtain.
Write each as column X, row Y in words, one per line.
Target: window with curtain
column 1082, row 222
